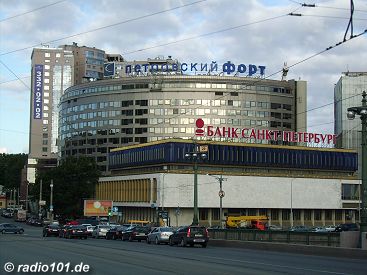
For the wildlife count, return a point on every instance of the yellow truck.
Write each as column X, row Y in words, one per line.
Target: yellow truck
column 252, row 222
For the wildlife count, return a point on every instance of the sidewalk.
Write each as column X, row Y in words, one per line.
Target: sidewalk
column 352, row 253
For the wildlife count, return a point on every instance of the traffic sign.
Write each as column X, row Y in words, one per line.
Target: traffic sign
column 221, row 193
column 115, row 209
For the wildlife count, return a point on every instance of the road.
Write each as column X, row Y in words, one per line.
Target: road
column 118, row 257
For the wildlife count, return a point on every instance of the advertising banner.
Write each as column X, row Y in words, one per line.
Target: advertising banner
column 37, row 91
column 96, row 207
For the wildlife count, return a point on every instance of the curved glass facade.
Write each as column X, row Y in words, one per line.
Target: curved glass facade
column 98, row 116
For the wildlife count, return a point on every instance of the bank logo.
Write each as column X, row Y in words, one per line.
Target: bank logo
column 199, row 124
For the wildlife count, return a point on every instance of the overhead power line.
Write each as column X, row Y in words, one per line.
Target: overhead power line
column 323, row 7
column 181, row 40
column 105, row 27
column 10, row 70
column 206, row 34
column 30, row 11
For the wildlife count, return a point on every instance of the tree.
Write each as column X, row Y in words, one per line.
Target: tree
column 11, row 166
column 74, row 180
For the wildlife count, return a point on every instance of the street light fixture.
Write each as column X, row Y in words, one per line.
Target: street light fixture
column 196, row 156
column 221, row 196
column 362, row 112
column 51, row 201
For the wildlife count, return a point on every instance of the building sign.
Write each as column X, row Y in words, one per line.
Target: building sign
column 37, row 91
column 261, row 134
column 109, row 69
column 228, row 68
column 97, row 207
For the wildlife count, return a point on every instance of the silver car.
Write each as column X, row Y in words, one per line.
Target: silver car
column 159, row 235
column 100, row 231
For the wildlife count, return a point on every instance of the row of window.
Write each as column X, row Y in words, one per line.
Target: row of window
column 184, row 85
column 233, row 155
column 176, row 102
column 173, row 121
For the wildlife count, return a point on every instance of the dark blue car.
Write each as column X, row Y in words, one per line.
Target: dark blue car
column 10, row 228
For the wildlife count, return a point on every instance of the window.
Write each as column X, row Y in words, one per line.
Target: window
column 47, row 55
column 296, row 215
column 307, row 215
column 318, row 215
column 275, row 105
column 287, row 107
column 338, row 215
column 286, row 214
column 350, row 191
column 203, row 214
column 215, row 214
column 287, row 116
column 275, row 214
column 328, row 215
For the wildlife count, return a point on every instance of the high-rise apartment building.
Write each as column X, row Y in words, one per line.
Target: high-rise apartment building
column 348, row 93
column 53, row 71
column 88, row 63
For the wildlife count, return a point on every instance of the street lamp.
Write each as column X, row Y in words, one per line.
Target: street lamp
column 26, row 195
column 221, row 196
column 40, row 201
column 195, row 157
column 362, row 112
column 51, row 199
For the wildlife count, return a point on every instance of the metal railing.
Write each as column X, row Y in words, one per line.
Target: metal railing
column 291, row 237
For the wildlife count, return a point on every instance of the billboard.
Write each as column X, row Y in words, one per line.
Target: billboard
column 109, row 69
column 96, row 207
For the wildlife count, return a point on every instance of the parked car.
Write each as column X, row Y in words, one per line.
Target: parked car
column 330, row 228
column 34, row 221
column 299, row 228
column 76, row 231
column 90, row 229
column 51, row 230
column 100, row 231
column 7, row 213
column 62, row 230
column 274, row 227
column 115, row 233
column 319, row 229
column 347, row 227
column 190, row 235
column 46, row 222
column 10, row 228
column 137, row 233
column 159, row 235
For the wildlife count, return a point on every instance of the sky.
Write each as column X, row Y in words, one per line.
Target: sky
column 202, row 31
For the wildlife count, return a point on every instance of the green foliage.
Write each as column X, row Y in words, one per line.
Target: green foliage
column 10, row 169
column 74, row 180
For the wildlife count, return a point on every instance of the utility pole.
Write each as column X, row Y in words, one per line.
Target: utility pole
column 362, row 112
column 39, row 204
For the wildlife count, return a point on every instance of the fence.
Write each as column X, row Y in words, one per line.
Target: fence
column 307, row 238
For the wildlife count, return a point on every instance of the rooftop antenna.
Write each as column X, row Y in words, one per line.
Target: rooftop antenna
column 285, row 71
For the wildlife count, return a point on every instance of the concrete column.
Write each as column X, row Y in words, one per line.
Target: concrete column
column 313, row 217
column 268, row 213
column 323, row 217
column 302, row 216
